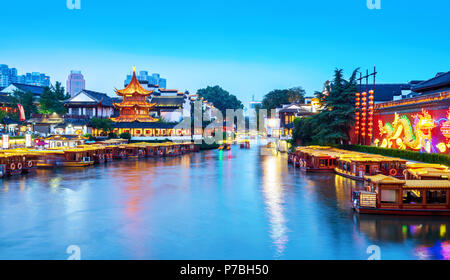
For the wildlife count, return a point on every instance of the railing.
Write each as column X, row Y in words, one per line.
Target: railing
column 414, row 100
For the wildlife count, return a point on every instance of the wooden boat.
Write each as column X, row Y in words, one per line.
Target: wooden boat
column 72, row 157
column 14, row 163
column 389, row 195
column 77, row 158
column 134, row 151
column 310, row 159
column 109, row 153
column 97, row 153
column 119, row 152
column 17, row 161
column 357, row 166
column 425, row 171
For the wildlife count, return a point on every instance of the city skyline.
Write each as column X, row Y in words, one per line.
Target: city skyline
column 248, row 51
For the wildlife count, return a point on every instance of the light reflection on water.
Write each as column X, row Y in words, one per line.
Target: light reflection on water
column 273, row 197
column 238, row 204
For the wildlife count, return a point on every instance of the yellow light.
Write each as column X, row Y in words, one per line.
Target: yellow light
column 272, row 123
column 443, row 230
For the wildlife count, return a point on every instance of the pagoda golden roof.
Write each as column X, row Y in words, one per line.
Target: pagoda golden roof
column 134, row 87
column 135, row 104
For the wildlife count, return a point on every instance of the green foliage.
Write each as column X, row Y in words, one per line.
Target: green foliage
column 88, row 135
column 302, row 130
column 276, row 98
column 112, row 135
column 405, row 154
column 52, row 98
column 125, row 135
column 102, row 124
column 26, row 99
column 221, row 98
column 3, row 115
column 332, row 124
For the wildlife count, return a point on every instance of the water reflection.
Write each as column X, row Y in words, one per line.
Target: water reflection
column 273, row 197
column 429, row 234
column 238, row 204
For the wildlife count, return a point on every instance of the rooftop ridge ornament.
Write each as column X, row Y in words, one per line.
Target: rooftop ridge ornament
column 134, row 87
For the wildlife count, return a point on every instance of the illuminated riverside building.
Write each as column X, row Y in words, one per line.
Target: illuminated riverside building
column 288, row 113
column 420, row 123
column 134, row 115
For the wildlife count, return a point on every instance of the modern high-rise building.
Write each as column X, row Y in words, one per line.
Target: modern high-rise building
column 75, row 83
column 34, row 79
column 9, row 76
column 148, row 81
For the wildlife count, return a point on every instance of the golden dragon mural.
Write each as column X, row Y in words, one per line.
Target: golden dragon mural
column 402, row 135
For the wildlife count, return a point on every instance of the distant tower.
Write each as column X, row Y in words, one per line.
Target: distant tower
column 75, row 82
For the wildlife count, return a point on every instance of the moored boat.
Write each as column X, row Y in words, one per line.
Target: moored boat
column 389, row 195
column 357, row 166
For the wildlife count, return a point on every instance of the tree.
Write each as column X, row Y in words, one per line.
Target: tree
column 302, row 130
column 278, row 97
column 125, row 135
column 102, row 124
column 3, row 115
column 221, row 98
column 333, row 123
column 51, row 100
column 26, row 99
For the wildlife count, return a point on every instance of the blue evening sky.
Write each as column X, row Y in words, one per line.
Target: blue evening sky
column 247, row 47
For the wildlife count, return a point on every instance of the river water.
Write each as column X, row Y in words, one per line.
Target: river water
column 238, row 204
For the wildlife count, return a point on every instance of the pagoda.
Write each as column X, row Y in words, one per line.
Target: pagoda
column 134, row 106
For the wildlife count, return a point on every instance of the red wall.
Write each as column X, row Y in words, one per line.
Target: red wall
column 435, row 142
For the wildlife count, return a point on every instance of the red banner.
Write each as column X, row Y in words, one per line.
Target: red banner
column 22, row 112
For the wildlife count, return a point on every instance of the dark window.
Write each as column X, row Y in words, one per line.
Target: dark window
column 412, row 197
column 436, row 197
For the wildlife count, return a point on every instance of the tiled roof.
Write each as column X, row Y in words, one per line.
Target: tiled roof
column 441, row 80
column 385, row 92
column 428, row 184
column 5, row 99
column 384, row 179
column 172, row 101
column 36, row 90
column 97, row 96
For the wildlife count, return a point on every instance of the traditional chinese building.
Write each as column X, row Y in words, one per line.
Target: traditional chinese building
column 289, row 112
column 420, row 123
column 134, row 115
column 134, row 105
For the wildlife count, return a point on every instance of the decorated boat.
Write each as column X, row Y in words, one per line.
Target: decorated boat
column 426, row 171
column 357, row 166
column 315, row 159
column 66, row 157
column 389, row 195
column 15, row 162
